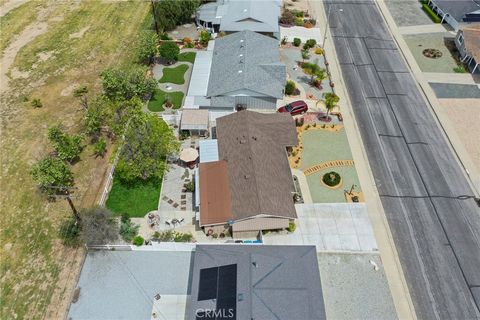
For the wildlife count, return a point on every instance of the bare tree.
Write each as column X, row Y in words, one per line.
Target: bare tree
column 98, row 226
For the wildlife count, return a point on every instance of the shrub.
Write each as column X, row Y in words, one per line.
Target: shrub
column 308, row 25
column 189, row 45
column 37, row 103
column 284, row 41
column 70, row 232
column 190, row 186
column 205, row 36
column 331, row 179
column 182, row 237
column 169, row 50
column 431, row 13
column 125, row 217
column 305, row 54
column 128, row 230
column 287, row 17
column 319, row 51
column 310, row 43
column 459, row 69
column 215, row 236
column 290, row 87
column 299, row 21
column 187, row 40
column 297, row 42
column 100, row 147
column 298, row 13
column 222, row 34
column 156, row 235
column 291, row 226
column 164, row 36
column 138, row 241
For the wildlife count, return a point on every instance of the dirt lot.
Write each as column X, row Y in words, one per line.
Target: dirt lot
column 48, row 49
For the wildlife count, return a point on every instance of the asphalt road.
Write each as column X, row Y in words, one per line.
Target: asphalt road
column 428, row 202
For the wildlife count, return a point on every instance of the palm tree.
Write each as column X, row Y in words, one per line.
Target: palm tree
column 331, row 100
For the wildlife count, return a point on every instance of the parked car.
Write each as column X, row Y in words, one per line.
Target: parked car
column 296, row 107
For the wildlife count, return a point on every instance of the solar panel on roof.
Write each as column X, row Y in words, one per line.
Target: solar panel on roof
column 207, row 288
column 219, row 283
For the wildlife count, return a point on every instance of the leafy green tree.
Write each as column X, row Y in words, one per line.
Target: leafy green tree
column 94, row 117
column 67, row 147
column 98, row 226
column 119, row 112
column 147, row 46
column 70, row 232
column 148, row 140
column 170, row 13
column 331, row 101
column 127, row 82
column 52, row 172
column 205, row 36
column 314, row 70
column 169, row 51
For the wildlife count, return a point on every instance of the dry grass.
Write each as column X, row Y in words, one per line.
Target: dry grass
column 36, row 269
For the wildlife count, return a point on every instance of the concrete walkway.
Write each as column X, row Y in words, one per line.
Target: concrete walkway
column 455, row 78
column 429, row 28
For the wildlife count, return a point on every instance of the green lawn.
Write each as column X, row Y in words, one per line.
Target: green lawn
column 187, row 56
column 136, row 200
column 174, row 75
column 156, row 103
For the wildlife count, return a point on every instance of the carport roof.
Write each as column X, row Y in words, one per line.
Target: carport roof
column 194, row 119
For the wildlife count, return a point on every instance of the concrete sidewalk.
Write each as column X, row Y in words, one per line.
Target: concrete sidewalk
column 429, row 28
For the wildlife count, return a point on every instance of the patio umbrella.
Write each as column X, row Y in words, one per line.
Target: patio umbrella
column 189, row 155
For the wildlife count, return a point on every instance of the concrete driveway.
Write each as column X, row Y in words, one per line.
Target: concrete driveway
column 330, row 227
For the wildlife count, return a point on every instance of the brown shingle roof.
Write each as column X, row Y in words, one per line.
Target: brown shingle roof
column 215, row 199
column 471, row 35
column 254, row 146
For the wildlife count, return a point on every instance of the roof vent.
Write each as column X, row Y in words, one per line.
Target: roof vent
column 240, row 55
column 254, row 138
column 247, row 177
column 240, row 71
column 245, row 10
column 241, row 40
column 254, row 263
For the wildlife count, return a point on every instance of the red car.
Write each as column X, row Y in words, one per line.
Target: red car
column 296, row 107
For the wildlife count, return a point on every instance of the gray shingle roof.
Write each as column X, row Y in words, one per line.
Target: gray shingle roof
column 247, row 61
column 253, row 15
column 240, row 15
column 273, row 282
column 254, row 146
column 458, row 8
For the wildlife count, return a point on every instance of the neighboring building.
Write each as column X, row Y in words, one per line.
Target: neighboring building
column 239, row 71
column 468, row 44
column 256, row 282
column 239, row 15
column 250, row 188
column 456, row 12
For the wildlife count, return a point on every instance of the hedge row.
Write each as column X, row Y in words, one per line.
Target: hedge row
column 431, row 13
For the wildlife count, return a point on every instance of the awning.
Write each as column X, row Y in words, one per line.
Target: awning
column 194, row 119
